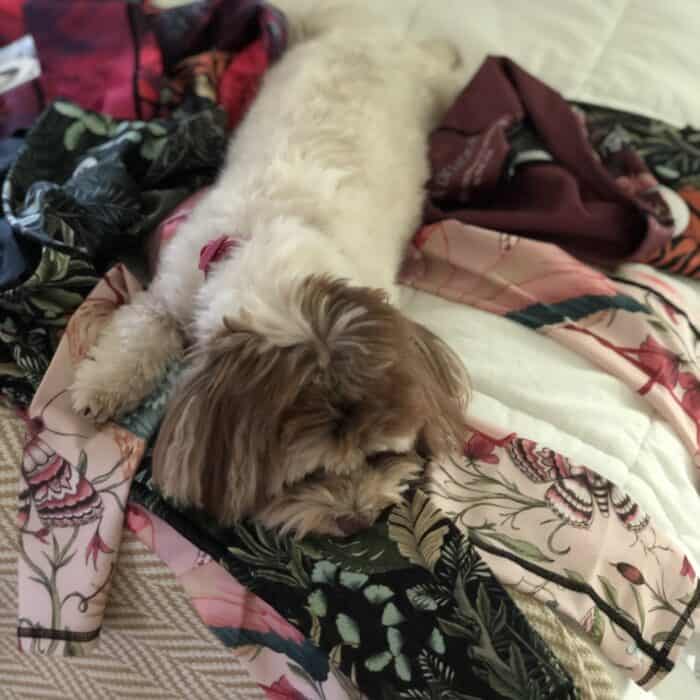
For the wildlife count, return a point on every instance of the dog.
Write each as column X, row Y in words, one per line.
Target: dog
column 309, row 401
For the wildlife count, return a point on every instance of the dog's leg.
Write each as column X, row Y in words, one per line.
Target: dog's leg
column 128, row 360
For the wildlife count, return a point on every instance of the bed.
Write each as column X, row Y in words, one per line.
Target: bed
column 637, row 57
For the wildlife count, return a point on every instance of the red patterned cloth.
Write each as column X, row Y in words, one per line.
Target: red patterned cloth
column 126, row 59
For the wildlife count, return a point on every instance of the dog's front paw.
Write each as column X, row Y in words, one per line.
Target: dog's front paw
column 101, row 393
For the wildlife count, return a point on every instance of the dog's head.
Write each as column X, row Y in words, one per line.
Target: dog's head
column 299, row 434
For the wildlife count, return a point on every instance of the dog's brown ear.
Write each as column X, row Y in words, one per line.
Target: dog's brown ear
column 216, row 448
column 445, row 385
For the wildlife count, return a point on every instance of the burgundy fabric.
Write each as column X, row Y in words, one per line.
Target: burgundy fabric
column 512, row 155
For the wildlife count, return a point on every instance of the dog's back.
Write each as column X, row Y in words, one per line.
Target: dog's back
column 337, row 139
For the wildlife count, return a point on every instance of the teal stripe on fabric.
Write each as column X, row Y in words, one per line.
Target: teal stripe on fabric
column 539, row 315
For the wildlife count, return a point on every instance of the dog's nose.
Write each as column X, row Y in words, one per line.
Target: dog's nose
column 350, row 524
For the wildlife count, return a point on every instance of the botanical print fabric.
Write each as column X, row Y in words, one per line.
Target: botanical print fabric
column 364, row 609
column 275, row 652
column 633, row 325
column 86, row 187
column 577, row 542
column 73, row 489
column 671, row 158
column 84, row 190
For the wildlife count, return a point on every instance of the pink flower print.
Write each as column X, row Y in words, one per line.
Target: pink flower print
column 221, row 601
column 691, row 398
column 137, row 519
column 282, row 689
column 95, row 546
column 480, row 447
column 687, row 569
column 690, row 402
column 659, row 363
column 63, row 497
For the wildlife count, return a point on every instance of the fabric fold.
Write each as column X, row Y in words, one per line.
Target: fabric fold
column 512, row 155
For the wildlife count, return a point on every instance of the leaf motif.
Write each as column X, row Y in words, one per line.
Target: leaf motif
column 156, row 129
column 666, row 173
column 336, row 655
column 437, row 641
column 575, row 576
column 657, row 325
column 317, row 603
column 416, row 529
column 453, row 629
column 48, row 308
column 609, row 592
column 152, row 148
column 598, row 627
column 370, row 551
column 499, row 620
column 95, row 124
column 392, row 615
column 81, row 467
column 522, row 547
column 420, row 598
column 133, row 136
column 68, row 109
column 348, row 630
column 483, row 605
column 324, row 572
column 72, row 135
column 377, row 662
column 315, row 632
column 377, row 594
column 517, row 665
column 640, row 607
column 395, row 641
column 352, row 580
column 403, row 667
column 437, row 672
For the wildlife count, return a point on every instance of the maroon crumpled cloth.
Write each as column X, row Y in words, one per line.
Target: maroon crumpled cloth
column 513, row 155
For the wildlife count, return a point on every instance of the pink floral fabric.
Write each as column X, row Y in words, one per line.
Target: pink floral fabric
column 577, row 542
column 554, row 529
column 223, row 603
column 216, row 595
column 635, row 326
column 74, row 484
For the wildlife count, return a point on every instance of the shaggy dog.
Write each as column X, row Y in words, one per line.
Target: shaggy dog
column 308, row 396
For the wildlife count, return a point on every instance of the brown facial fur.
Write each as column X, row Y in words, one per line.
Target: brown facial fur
column 257, row 429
